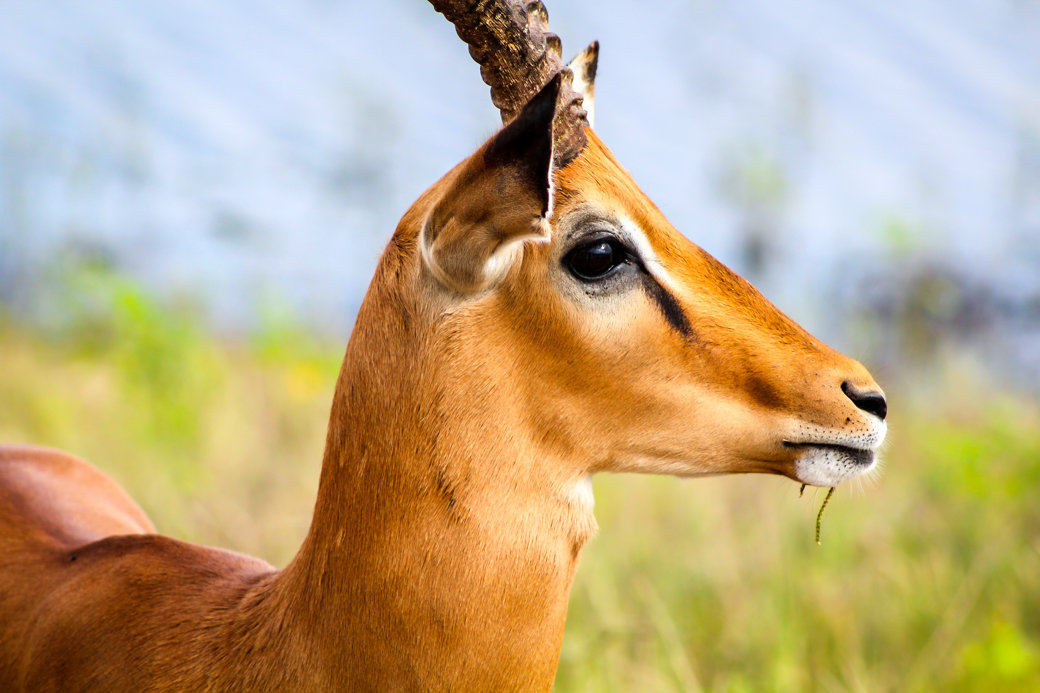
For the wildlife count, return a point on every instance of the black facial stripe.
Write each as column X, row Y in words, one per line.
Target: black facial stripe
column 670, row 308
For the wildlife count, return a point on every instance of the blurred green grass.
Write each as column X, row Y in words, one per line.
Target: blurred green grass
column 928, row 578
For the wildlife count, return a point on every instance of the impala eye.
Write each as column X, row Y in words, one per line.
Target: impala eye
column 596, row 259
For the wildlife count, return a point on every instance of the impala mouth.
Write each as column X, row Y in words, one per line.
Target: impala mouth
column 826, row 464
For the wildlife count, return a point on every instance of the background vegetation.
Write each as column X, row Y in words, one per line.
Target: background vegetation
column 926, row 578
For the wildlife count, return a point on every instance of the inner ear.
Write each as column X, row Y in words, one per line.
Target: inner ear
column 501, row 197
column 524, row 147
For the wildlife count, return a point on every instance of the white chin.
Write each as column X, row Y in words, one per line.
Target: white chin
column 832, row 465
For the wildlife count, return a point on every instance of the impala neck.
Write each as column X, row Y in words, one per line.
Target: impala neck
column 443, row 544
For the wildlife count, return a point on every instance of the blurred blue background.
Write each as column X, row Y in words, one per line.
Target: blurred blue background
column 873, row 167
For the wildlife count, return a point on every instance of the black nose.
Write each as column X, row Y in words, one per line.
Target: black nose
column 869, row 401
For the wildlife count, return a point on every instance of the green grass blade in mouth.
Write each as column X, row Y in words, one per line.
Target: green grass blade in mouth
column 819, row 516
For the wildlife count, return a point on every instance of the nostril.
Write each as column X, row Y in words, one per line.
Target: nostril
column 874, row 404
column 870, row 401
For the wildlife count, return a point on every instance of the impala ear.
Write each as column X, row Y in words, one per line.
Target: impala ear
column 584, row 69
column 500, row 198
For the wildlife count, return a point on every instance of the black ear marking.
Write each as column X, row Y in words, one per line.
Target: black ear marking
column 591, row 63
column 526, row 143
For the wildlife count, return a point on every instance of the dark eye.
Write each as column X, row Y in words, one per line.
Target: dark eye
column 596, row 259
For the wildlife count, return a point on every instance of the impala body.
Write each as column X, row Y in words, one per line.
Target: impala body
column 534, row 320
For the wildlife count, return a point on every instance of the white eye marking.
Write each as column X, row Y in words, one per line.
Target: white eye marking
column 638, row 238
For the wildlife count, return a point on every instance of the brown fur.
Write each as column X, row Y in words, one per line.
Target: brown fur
column 447, row 528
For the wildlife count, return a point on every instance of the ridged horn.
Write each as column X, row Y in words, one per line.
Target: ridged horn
column 518, row 55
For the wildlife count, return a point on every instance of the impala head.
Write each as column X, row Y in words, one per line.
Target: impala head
column 621, row 345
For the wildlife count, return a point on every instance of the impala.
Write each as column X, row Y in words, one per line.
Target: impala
column 534, row 320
